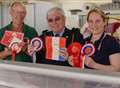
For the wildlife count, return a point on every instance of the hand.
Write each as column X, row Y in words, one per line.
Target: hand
column 30, row 50
column 23, row 46
column 7, row 51
column 64, row 53
column 70, row 60
column 89, row 62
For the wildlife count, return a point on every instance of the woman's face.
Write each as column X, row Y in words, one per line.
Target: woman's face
column 96, row 23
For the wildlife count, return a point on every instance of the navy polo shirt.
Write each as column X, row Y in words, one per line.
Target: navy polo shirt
column 105, row 47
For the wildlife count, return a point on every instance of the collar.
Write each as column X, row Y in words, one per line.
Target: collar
column 61, row 33
column 10, row 26
column 99, row 40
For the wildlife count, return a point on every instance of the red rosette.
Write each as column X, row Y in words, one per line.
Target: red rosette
column 74, row 51
column 88, row 49
column 15, row 47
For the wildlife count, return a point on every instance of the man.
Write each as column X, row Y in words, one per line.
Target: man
column 56, row 21
column 18, row 13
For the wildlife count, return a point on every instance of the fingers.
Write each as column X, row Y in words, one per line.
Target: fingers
column 7, row 51
column 89, row 61
column 23, row 46
column 70, row 60
column 30, row 50
column 63, row 53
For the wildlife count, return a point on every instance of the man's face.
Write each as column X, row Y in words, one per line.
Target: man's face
column 18, row 14
column 56, row 21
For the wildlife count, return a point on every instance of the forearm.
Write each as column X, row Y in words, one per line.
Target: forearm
column 105, row 67
column 3, row 54
column 6, row 52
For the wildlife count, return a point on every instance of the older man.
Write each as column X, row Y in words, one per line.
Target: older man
column 56, row 21
column 18, row 13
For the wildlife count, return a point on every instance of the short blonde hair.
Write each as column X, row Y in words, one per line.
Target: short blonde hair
column 15, row 3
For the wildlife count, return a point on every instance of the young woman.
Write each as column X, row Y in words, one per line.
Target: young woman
column 107, row 54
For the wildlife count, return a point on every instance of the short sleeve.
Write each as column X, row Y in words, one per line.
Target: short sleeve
column 1, row 35
column 113, row 46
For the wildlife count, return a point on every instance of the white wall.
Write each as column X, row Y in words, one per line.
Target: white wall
column 36, row 15
column 41, row 9
column 5, row 16
column 29, row 19
column 72, row 21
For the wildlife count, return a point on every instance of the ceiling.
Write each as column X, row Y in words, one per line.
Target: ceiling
column 63, row 1
column 75, row 4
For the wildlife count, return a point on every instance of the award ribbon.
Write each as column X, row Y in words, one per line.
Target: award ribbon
column 74, row 51
column 15, row 49
column 88, row 49
column 37, row 45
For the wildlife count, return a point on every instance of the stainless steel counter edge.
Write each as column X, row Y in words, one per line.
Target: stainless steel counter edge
column 64, row 72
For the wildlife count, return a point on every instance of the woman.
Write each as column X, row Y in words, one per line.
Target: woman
column 107, row 54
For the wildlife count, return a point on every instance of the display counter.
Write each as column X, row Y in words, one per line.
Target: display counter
column 29, row 75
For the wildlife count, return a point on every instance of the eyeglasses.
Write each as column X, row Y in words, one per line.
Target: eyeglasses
column 55, row 19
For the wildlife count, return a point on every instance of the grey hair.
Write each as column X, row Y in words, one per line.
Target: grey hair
column 58, row 9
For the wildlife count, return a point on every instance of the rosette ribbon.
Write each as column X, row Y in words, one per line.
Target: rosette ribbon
column 37, row 45
column 87, row 50
column 74, row 50
column 15, row 49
